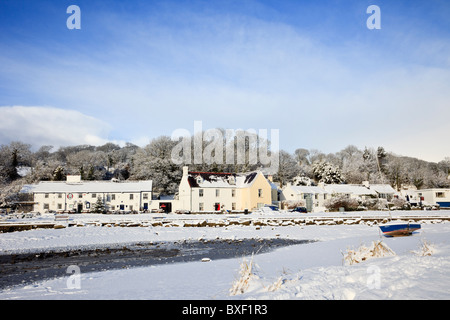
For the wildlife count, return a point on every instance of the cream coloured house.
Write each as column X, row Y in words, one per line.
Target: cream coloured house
column 216, row 192
column 75, row 195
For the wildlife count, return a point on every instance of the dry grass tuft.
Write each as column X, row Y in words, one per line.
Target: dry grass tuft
column 246, row 273
column 376, row 249
column 425, row 249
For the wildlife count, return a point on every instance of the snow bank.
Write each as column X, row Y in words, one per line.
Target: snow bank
column 306, row 271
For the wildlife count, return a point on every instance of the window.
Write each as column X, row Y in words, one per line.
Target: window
column 131, row 207
column 145, row 196
column 59, row 195
column 94, row 195
column 113, row 197
column 200, row 192
column 80, row 195
column 440, row 194
column 131, row 196
column 59, row 206
column 200, row 206
column 260, row 193
column 46, row 195
column 46, row 206
column 233, row 193
column 217, row 192
column 316, row 196
column 233, row 206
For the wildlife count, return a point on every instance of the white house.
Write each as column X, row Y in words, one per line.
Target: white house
column 435, row 196
column 352, row 191
column 215, row 192
column 384, row 191
column 75, row 195
column 313, row 197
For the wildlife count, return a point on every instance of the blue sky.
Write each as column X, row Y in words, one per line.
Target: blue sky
column 312, row 69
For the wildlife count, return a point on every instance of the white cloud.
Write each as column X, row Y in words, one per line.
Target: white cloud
column 39, row 126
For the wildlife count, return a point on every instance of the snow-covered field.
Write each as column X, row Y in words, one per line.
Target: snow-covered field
column 306, row 271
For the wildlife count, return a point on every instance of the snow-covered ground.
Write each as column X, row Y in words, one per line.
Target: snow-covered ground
column 306, row 271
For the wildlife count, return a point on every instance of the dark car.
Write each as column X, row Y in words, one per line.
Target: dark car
column 299, row 209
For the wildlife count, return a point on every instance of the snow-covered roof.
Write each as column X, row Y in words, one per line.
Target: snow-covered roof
column 349, row 189
column 273, row 185
column 382, row 188
column 88, row 187
column 221, row 180
column 308, row 189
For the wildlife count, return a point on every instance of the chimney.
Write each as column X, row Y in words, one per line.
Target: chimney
column 185, row 171
column 73, row 179
column 366, row 184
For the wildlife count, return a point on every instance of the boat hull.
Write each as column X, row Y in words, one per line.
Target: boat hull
column 402, row 229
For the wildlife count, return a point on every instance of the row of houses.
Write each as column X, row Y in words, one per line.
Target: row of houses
column 198, row 192
column 314, row 197
column 207, row 192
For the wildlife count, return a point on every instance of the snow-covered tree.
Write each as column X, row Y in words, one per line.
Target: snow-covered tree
column 153, row 162
column 326, row 172
column 98, row 206
column 287, row 168
column 59, row 173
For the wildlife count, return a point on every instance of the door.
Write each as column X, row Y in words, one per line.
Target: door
column 217, row 206
column 166, row 206
column 79, row 207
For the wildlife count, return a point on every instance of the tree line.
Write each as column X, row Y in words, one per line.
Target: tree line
column 20, row 165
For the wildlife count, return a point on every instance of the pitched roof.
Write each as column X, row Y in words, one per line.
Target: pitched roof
column 88, row 187
column 308, row 189
column 349, row 188
column 382, row 188
column 220, row 179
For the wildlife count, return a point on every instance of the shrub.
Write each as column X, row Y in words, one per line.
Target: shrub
column 291, row 204
column 400, row 204
column 339, row 201
column 375, row 204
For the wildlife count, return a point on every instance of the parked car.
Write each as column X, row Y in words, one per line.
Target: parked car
column 299, row 209
column 274, row 208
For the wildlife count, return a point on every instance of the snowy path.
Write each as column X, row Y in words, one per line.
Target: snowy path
column 306, row 271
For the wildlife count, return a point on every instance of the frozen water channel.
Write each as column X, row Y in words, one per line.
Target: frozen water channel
column 23, row 268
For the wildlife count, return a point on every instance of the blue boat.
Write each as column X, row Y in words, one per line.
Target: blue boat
column 399, row 229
